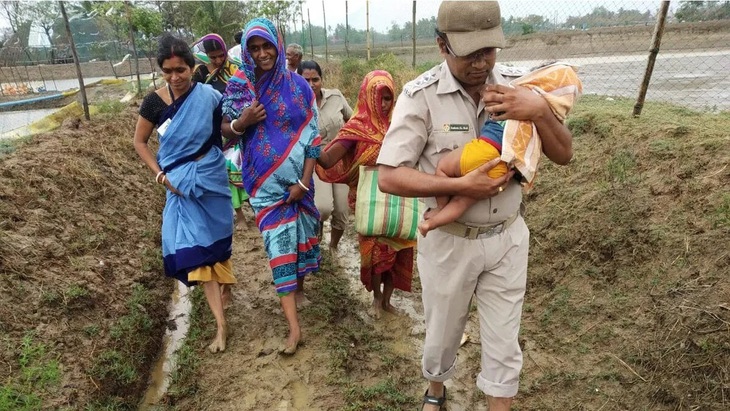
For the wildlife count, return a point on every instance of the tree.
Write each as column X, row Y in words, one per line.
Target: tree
column 19, row 19
column 45, row 14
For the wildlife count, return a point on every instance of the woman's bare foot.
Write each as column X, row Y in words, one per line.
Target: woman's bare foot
column 389, row 308
column 302, row 300
column 291, row 344
column 226, row 295
column 219, row 343
column 240, row 221
column 376, row 308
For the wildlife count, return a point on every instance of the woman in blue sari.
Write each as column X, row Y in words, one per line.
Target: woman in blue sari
column 274, row 113
column 197, row 221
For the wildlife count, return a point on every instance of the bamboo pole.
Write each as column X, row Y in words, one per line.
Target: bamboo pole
column 653, row 51
column 326, row 46
column 134, row 45
column 311, row 40
column 367, row 23
column 301, row 13
column 347, row 32
column 82, row 89
column 413, row 35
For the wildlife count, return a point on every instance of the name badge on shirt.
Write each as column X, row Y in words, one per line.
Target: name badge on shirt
column 456, row 127
column 163, row 127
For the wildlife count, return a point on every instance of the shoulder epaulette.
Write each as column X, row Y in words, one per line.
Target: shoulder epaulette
column 423, row 81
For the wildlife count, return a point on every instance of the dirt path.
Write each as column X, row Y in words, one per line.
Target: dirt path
column 251, row 374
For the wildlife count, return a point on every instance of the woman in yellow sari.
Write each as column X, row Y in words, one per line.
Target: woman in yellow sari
column 385, row 263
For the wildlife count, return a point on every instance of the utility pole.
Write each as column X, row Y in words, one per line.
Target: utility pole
column 82, row 89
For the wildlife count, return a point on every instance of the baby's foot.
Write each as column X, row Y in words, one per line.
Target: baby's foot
column 424, row 228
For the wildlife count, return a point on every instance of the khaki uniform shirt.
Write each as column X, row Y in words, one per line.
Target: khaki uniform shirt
column 433, row 116
column 333, row 113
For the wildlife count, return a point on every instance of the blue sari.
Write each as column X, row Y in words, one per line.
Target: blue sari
column 197, row 226
column 273, row 156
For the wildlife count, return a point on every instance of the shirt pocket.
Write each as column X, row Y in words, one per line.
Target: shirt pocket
column 330, row 126
column 446, row 142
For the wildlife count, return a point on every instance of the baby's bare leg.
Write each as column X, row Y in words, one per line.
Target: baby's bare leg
column 448, row 166
column 456, row 206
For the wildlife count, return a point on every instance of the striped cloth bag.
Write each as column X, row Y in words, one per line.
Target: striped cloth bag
column 384, row 215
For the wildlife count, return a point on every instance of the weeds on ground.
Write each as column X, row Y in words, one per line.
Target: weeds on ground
column 355, row 346
column 38, row 373
column 184, row 378
column 117, row 368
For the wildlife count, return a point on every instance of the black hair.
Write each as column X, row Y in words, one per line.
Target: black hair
column 309, row 65
column 211, row 45
column 237, row 37
column 171, row 46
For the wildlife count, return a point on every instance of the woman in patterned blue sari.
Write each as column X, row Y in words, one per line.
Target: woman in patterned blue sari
column 197, row 221
column 273, row 112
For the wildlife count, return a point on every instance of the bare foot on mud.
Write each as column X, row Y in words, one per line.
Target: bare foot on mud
column 226, row 296
column 219, row 343
column 376, row 309
column 291, row 344
column 389, row 308
column 302, row 300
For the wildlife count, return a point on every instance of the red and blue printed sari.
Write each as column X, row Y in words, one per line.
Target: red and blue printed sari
column 273, row 155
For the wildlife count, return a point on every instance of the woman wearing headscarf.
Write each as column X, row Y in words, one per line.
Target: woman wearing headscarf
column 197, row 221
column 384, row 262
column 219, row 68
column 274, row 113
column 217, row 73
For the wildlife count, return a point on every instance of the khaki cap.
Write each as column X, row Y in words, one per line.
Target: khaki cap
column 470, row 25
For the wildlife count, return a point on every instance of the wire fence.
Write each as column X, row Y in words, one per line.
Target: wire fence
column 610, row 41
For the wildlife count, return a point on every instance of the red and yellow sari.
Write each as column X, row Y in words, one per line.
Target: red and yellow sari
column 364, row 134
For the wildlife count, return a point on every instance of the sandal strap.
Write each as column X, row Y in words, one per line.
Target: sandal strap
column 431, row 400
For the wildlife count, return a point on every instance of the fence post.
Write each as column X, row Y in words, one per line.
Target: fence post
column 326, row 46
column 134, row 47
column 76, row 60
column 367, row 22
column 347, row 32
column 311, row 40
column 413, row 35
column 655, row 43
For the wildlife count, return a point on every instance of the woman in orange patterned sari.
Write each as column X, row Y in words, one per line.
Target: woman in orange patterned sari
column 385, row 263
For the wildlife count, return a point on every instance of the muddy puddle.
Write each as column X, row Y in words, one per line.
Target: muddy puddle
column 178, row 324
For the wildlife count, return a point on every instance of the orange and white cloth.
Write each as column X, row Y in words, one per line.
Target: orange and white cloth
column 559, row 84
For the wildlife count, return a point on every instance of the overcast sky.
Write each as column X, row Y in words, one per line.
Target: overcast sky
column 384, row 12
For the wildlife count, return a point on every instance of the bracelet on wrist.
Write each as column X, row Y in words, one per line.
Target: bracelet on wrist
column 233, row 128
column 164, row 178
column 305, row 188
column 157, row 177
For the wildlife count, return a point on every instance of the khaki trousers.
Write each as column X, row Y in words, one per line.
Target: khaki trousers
column 331, row 200
column 493, row 270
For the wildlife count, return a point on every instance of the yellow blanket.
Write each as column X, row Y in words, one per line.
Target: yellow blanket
column 559, row 84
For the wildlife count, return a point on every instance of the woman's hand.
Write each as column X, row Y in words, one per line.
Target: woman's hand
column 296, row 193
column 169, row 186
column 251, row 115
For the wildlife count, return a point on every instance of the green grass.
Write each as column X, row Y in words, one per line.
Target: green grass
column 120, row 368
column 38, row 374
